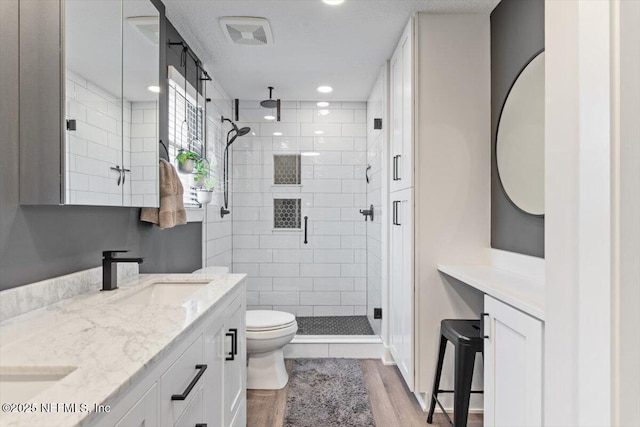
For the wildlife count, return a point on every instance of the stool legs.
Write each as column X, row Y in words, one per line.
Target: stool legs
column 436, row 380
column 465, row 359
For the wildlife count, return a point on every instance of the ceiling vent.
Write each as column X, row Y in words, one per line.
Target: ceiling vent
column 148, row 26
column 247, row 30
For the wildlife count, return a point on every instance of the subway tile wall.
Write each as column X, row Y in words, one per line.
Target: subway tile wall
column 109, row 133
column 217, row 231
column 326, row 276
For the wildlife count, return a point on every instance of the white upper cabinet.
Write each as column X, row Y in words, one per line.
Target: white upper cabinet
column 401, row 97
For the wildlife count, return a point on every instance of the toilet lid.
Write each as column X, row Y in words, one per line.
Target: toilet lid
column 268, row 319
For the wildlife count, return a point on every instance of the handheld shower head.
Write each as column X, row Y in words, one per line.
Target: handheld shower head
column 243, row 131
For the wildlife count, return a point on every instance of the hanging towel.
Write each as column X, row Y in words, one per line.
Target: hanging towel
column 171, row 211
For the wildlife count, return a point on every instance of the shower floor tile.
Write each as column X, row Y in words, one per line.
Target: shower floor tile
column 334, row 325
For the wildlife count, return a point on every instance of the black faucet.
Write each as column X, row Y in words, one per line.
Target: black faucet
column 110, row 268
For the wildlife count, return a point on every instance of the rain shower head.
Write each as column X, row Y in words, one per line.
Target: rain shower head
column 269, row 103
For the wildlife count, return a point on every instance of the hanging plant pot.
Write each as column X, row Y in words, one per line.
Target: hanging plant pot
column 204, row 196
column 187, row 161
column 186, row 166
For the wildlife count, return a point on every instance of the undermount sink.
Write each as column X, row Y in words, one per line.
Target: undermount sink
column 162, row 293
column 18, row 384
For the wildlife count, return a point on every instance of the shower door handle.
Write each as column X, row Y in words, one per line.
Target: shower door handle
column 306, row 219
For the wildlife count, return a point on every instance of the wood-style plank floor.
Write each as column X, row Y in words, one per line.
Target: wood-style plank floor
column 392, row 403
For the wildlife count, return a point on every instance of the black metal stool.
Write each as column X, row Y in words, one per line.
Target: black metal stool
column 466, row 336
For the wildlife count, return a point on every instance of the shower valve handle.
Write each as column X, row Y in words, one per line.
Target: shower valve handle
column 367, row 212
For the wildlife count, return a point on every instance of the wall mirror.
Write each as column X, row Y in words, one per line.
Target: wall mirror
column 111, row 103
column 520, row 140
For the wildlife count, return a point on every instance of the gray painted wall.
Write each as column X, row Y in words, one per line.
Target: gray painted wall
column 517, row 34
column 39, row 242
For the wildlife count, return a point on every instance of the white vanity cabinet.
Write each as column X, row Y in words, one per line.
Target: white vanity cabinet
column 512, row 366
column 144, row 412
column 235, row 366
column 202, row 381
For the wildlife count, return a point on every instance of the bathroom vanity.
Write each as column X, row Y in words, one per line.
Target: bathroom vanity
column 149, row 353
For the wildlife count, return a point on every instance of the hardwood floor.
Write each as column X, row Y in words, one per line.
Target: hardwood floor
column 392, row 403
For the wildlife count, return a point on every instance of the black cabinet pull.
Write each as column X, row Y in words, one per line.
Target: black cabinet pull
column 482, row 315
column 395, row 168
column 192, row 384
column 201, row 425
column 398, row 168
column 395, row 213
column 233, row 333
column 306, row 219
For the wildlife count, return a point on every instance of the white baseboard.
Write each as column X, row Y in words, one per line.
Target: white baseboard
column 318, row 346
column 421, row 398
column 387, row 358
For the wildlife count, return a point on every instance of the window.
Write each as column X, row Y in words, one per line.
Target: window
column 187, row 134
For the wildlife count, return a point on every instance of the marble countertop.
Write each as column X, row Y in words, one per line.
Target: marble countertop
column 520, row 291
column 106, row 345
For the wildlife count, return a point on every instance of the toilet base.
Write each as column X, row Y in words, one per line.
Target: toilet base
column 266, row 371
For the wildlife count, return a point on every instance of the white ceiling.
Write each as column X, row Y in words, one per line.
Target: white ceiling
column 314, row 44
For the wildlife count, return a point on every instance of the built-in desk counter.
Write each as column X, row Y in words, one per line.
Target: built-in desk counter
column 513, row 318
column 522, row 292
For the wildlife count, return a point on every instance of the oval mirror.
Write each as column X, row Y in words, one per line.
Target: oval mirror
column 520, row 140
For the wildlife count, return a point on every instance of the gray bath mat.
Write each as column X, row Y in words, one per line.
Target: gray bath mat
column 327, row 393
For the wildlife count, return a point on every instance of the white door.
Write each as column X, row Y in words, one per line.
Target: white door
column 235, row 364
column 401, row 111
column 401, row 283
column 512, row 367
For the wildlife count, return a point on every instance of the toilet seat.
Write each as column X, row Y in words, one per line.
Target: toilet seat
column 273, row 333
column 268, row 320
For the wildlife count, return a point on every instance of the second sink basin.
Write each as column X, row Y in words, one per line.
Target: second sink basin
column 162, row 293
column 18, row 385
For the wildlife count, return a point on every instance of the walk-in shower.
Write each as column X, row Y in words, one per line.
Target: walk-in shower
column 310, row 165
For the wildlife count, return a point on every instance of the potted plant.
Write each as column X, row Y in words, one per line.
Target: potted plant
column 187, row 160
column 204, row 194
column 200, row 172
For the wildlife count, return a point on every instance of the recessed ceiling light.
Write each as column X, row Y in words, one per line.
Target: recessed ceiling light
column 323, row 112
column 310, row 154
column 269, row 117
column 333, row 2
column 277, row 134
column 319, row 132
column 154, row 89
column 322, row 104
column 325, row 89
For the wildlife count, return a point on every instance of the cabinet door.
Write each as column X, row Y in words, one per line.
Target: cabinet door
column 214, row 356
column 235, row 367
column 144, row 413
column 401, row 112
column 401, row 295
column 512, row 367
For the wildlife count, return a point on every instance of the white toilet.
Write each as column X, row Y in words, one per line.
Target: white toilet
column 267, row 333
